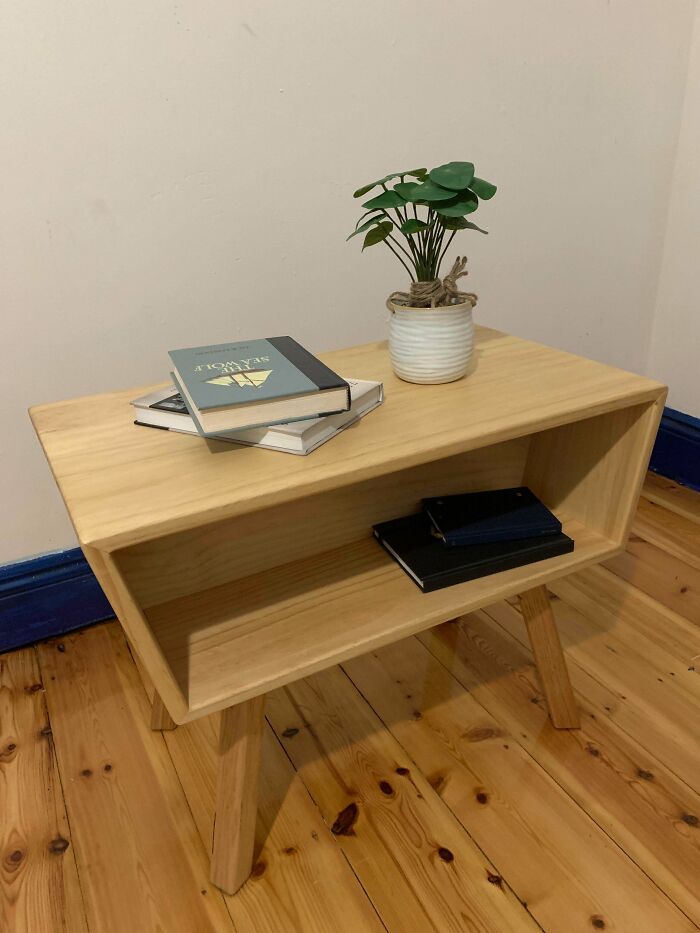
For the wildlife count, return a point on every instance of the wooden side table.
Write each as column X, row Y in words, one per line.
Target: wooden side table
column 235, row 570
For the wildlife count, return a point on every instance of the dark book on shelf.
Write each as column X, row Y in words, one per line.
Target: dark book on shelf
column 412, row 542
column 490, row 516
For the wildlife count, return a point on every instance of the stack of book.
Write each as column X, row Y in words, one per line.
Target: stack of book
column 269, row 393
column 460, row 538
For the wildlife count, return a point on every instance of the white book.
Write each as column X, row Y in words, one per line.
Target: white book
column 166, row 409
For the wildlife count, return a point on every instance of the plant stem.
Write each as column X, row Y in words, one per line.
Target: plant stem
column 438, row 246
column 402, row 219
column 401, row 247
column 415, row 249
column 412, row 259
column 407, row 237
column 431, row 244
column 447, row 246
column 418, row 257
column 386, row 243
column 421, row 236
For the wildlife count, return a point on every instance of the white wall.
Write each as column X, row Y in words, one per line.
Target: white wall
column 674, row 355
column 180, row 172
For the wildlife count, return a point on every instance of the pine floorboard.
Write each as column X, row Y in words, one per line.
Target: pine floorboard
column 672, row 496
column 39, row 879
column 140, row 860
column 416, row 788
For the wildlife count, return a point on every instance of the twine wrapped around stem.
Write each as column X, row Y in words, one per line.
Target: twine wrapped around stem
column 437, row 293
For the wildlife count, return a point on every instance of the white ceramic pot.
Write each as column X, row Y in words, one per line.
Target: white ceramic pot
column 431, row 345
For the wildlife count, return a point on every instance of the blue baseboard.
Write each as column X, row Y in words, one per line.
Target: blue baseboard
column 57, row 593
column 676, row 453
column 47, row 596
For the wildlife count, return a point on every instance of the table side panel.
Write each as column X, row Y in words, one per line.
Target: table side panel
column 593, row 470
column 138, row 632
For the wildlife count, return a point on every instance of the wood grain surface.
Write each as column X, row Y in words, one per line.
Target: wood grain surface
column 233, row 571
column 515, row 811
column 419, row 868
column 39, row 887
column 129, row 818
column 551, row 665
column 231, row 642
column 124, row 484
column 422, row 788
column 236, row 811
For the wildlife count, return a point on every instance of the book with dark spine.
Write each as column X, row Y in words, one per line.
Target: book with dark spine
column 231, row 386
column 492, row 515
column 432, row 566
column 164, row 409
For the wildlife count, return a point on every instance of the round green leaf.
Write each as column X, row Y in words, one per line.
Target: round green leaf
column 459, row 223
column 384, row 200
column 365, row 226
column 414, row 173
column 407, row 189
column 414, row 226
column 364, row 189
column 377, row 234
column 379, row 214
column 464, row 203
column 380, row 181
column 428, row 191
column 470, row 226
column 484, row 189
column 454, row 175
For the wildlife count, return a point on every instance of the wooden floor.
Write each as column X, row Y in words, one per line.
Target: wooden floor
column 418, row 788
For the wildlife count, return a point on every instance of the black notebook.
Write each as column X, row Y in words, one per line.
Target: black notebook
column 432, row 566
column 493, row 515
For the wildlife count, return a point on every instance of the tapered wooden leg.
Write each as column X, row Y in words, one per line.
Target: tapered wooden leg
column 160, row 718
column 549, row 658
column 237, row 794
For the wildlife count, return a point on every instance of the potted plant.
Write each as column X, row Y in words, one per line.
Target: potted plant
column 431, row 328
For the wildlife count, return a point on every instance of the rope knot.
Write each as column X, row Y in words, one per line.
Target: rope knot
column 437, row 293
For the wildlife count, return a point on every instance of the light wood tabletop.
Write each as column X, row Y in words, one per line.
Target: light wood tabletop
column 123, row 484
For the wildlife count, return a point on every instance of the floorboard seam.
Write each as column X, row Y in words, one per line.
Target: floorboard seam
column 668, row 503
column 633, row 738
column 335, row 841
column 205, row 844
column 603, row 829
column 54, row 755
column 476, row 845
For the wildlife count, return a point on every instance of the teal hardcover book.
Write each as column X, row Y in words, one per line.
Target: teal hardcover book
column 232, row 386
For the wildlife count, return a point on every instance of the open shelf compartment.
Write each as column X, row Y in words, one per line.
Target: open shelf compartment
column 244, row 605
column 243, row 638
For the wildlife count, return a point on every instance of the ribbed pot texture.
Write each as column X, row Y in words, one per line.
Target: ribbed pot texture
column 431, row 345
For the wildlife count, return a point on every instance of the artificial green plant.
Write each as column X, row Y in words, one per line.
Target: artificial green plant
column 417, row 220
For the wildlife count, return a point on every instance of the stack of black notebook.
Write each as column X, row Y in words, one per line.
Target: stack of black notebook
column 459, row 538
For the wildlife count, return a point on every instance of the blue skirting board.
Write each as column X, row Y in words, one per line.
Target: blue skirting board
column 56, row 593
column 48, row 595
column 676, row 453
